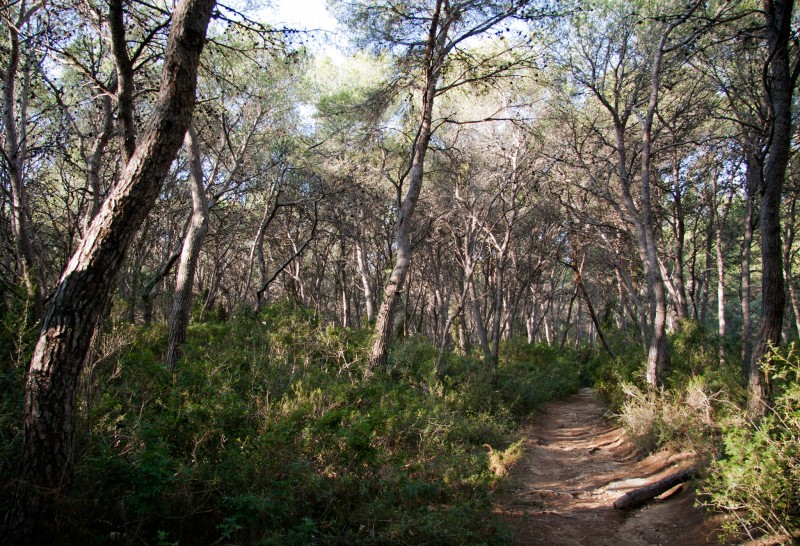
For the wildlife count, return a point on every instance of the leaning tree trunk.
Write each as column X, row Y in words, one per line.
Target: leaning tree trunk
column 433, row 64
column 87, row 283
column 192, row 243
column 780, row 81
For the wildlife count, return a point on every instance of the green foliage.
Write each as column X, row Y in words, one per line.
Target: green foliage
column 531, row 374
column 758, row 478
column 608, row 375
column 700, row 391
column 267, row 433
column 17, row 337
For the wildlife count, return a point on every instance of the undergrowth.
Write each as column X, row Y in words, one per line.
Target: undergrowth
column 267, row 433
column 751, row 470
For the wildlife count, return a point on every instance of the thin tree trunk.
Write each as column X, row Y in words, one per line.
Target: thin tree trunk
column 192, row 244
column 15, row 154
column 125, row 89
column 86, row 286
column 590, row 307
column 568, row 320
column 94, row 162
column 753, row 183
column 788, row 243
column 363, row 271
column 480, row 327
column 680, row 238
column 433, row 63
column 706, row 282
column 721, row 218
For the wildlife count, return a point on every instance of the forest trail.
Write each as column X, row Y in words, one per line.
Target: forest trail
column 576, row 465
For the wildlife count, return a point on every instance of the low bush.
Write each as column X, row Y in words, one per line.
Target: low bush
column 758, row 477
column 267, row 433
column 531, row 374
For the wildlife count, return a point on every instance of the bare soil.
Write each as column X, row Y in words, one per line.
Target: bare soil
column 577, row 463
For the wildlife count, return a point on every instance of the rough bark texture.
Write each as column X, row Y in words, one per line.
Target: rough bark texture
column 198, row 227
column 780, row 85
column 87, row 283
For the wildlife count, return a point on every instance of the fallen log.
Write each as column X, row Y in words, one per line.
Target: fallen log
column 638, row 497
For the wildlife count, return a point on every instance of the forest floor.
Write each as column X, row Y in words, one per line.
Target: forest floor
column 576, row 464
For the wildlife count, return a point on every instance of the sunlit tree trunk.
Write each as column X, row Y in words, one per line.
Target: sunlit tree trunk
column 434, row 56
column 15, row 152
column 192, row 244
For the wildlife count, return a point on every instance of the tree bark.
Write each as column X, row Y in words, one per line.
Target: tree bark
column 363, row 271
column 86, row 287
column 753, row 183
column 434, row 53
column 124, row 68
column 780, row 86
column 192, row 244
column 15, row 153
column 638, row 497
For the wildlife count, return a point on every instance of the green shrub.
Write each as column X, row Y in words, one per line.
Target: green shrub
column 267, row 433
column 758, row 478
column 531, row 374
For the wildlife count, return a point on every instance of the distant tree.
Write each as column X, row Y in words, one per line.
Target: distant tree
column 430, row 32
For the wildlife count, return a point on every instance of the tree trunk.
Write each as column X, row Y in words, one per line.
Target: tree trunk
column 94, row 162
column 15, row 154
column 590, row 307
column 753, row 183
column 192, row 244
column 780, row 82
column 363, row 271
column 681, row 305
column 480, row 327
column 788, row 244
column 433, row 65
column 637, row 497
column 124, row 70
column 721, row 217
column 86, row 287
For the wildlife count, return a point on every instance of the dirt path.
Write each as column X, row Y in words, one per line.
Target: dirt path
column 576, row 465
